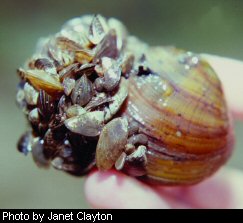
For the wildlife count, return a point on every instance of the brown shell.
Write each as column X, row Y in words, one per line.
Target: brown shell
column 112, row 141
column 42, row 80
column 182, row 110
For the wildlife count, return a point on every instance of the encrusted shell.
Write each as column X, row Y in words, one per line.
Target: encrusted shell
column 95, row 96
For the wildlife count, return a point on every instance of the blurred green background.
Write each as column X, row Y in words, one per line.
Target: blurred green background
column 209, row 26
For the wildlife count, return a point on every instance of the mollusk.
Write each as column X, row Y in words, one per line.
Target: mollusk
column 97, row 97
column 180, row 107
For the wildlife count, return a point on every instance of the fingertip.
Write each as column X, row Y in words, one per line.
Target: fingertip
column 221, row 191
column 112, row 189
column 230, row 72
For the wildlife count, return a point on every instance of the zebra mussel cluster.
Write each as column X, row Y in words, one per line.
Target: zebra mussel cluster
column 73, row 85
column 95, row 96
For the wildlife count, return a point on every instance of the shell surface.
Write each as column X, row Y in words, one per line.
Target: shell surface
column 95, row 96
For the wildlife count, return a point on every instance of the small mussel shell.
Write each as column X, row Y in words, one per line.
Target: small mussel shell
column 45, row 104
column 67, row 44
column 135, row 163
column 44, row 64
column 118, row 99
column 98, row 29
column 84, row 56
column 182, row 110
column 69, row 71
column 112, row 77
column 83, row 91
column 76, row 156
column 87, row 124
column 75, row 110
column 34, row 116
column 68, row 85
column 63, row 104
column 38, row 154
column 30, row 94
column 100, row 100
column 24, row 144
column 53, row 139
column 107, row 47
column 112, row 141
column 41, row 80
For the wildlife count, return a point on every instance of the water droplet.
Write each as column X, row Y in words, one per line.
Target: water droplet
column 204, row 91
column 178, row 134
column 189, row 60
column 168, row 89
column 31, row 94
column 20, row 96
column 57, row 163
column 187, row 67
column 195, row 60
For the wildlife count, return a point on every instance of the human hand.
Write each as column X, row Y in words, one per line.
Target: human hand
column 113, row 189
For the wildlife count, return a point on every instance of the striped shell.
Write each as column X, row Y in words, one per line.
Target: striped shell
column 182, row 110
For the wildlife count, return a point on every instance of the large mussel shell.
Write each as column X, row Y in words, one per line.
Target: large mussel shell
column 181, row 108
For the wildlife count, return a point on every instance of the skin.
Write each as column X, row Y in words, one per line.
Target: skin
column 112, row 189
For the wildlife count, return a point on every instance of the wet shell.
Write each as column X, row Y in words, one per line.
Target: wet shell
column 181, row 108
column 98, row 29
